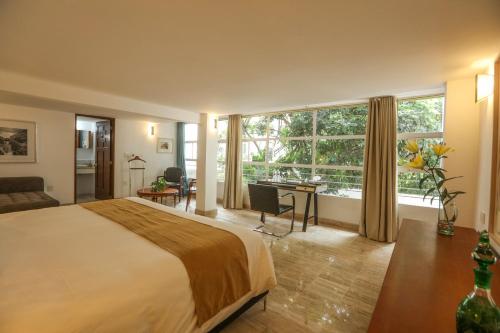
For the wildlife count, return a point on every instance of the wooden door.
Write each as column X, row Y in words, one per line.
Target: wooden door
column 104, row 163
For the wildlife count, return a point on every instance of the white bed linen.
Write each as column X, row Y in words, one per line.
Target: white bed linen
column 67, row 269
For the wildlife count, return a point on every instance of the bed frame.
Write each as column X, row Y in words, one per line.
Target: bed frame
column 239, row 312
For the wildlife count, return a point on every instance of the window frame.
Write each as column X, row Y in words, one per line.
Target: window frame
column 195, row 160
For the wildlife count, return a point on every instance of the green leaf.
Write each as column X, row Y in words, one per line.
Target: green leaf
column 450, row 198
column 422, row 180
column 458, row 192
column 429, row 191
column 440, row 174
column 444, row 194
column 453, row 178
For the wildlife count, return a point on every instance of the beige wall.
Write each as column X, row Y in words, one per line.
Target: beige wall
column 55, row 150
column 462, row 131
column 132, row 137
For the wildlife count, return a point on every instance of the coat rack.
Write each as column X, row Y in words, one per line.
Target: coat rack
column 132, row 168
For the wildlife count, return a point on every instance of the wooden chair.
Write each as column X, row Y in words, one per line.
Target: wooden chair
column 191, row 191
column 265, row 199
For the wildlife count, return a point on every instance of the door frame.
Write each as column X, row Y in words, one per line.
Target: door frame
column 112, row 173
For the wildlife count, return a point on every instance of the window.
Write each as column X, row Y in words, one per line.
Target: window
column 419, row 119
column 326, row 142
column 191, row 149
column 221, row 148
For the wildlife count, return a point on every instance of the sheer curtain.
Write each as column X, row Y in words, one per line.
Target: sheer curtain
column 379, row 205
column 233, row 184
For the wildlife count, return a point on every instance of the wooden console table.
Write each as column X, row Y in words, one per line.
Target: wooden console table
column 428, row 276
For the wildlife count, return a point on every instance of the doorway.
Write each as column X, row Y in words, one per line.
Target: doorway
column 94, row 158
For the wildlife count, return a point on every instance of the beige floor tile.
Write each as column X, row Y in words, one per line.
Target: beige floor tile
column 328, row 279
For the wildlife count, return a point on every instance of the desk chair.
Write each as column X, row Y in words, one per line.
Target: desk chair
column 265, row 199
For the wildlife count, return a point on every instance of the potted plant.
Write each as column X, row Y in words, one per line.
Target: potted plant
column 427, row 159
column 159, row 185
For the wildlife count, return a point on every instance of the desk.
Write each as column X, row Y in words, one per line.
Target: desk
column 428, row 276
column 312, row 189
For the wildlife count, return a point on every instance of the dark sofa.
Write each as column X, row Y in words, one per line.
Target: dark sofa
column 23, row 193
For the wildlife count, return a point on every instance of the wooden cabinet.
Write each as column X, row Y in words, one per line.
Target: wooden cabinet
column 428, row 276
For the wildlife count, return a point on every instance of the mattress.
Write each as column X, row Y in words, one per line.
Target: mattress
column 67, row 269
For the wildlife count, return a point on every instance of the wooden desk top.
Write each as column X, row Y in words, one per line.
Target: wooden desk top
column 296, row 186
column 428, row 276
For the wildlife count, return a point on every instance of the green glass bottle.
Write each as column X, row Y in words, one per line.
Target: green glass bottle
column 477, row 313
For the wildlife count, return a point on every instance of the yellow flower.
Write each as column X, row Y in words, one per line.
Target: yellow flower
column 441, row 149
column 412, row 146
column 417, row 163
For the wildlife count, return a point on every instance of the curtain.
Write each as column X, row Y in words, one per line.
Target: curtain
column 181, row 160
column 379, row 204
column 233, row 184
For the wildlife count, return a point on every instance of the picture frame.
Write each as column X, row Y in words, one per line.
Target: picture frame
column 165, row 145
column 18, row 141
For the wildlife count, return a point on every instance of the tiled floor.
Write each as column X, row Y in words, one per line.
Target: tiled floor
column 328, row 279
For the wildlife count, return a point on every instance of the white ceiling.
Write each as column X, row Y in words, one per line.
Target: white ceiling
column 234, row 56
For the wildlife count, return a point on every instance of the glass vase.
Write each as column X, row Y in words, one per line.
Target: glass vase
column 477, row 313
column 446, row 218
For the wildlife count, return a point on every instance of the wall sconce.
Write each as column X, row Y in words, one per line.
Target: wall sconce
column 484, row 86
column 151, row 130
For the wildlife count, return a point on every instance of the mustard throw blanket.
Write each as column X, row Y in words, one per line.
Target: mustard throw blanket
column 215, row 260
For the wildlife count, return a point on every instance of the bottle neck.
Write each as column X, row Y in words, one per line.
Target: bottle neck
column 482, row 278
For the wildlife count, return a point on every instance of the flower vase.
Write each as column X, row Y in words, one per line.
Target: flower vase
column 446, row 218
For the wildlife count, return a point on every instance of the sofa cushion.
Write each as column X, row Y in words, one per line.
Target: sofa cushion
column 21, row 184
column 17, row 201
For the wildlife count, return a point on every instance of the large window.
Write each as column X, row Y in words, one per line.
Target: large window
column 419, row 119
column 191, row 149
column 325, row 143
column 328, row 143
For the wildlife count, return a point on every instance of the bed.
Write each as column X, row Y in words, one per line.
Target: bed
column 68, row 269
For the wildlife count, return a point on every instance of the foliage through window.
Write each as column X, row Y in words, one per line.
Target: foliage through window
column 326, row 142
column 419, row 119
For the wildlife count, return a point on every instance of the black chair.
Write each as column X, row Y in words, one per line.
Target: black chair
column 265, row 199
column 174, row 178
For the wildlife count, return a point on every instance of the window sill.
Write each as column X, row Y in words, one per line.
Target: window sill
column 403, row 199
column 416, row 200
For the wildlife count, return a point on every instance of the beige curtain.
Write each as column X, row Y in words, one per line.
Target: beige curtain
column 233, row 185
column 379, row 205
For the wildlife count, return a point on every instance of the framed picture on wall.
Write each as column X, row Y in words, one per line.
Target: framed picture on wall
column 165, row 145
column 17, row 141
